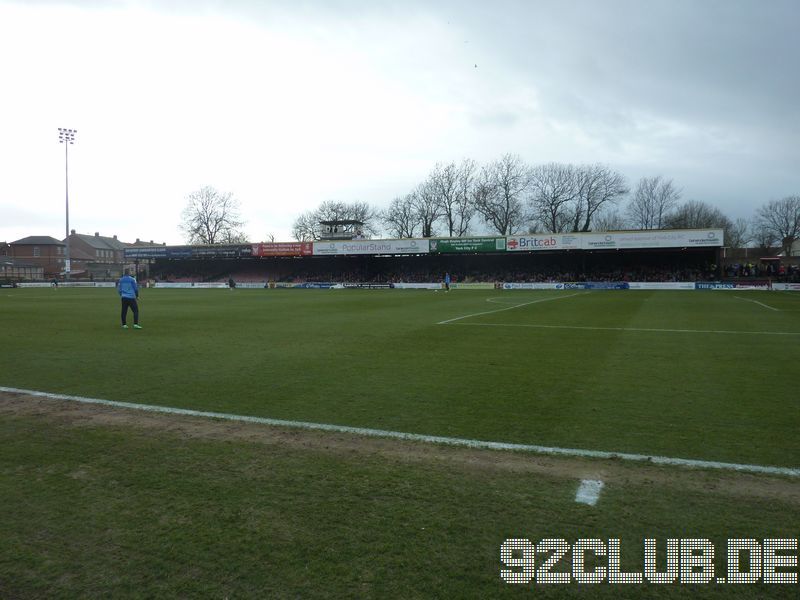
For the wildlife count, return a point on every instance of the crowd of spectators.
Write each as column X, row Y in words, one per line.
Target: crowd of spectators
column 400, row 271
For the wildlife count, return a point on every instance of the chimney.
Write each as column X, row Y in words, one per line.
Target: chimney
column 115, row 236
column 72, row 232
column 137, row 241
column 96, row 234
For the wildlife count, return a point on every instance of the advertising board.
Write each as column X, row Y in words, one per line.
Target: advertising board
column 409, row 246
column 618, row 240
column 468, row 245
column 547, row 241
column 283, row 249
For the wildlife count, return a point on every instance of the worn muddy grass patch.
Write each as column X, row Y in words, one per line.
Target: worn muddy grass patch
column 99, row 502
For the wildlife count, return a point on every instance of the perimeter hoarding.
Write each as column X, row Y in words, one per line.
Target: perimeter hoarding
column 547, row 241
column 688, row 238
column 372, row 247
column 468, row 245
column 620, row 240
column 283, row 249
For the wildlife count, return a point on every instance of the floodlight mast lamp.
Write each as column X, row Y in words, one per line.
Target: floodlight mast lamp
column 66, row 137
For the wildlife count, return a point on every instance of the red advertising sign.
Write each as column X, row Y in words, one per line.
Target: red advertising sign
column 283, row 249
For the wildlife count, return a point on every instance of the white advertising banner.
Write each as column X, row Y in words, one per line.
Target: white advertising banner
column 546, row 241
column 188, row 285
column 786, row 287
column 686, row 238
column 678, row 238
column 473, row 286
column 533, row 286
column 417, row 286
column 661, row 285
column 62, row 283
column 410, row 246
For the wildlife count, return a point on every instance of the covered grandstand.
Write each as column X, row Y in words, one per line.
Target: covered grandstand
column 624, row 256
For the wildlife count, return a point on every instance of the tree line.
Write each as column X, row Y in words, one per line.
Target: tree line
column 507, row 197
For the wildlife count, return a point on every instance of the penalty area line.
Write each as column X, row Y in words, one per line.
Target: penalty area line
column 490, row 312
column 639, row 329
column 416, row 437
column 759, row 303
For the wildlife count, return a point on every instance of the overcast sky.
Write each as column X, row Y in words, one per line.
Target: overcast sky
column 286, row 104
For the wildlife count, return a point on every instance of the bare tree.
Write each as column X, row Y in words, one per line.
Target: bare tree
column 332, row 210
column 233, row 237
column 426, row 206
column 763, row 237
column 400, row 219
column 739, row 235
column 699, row 215
column 553, row 192
column 652, row 202
column 211, row 217
column 499, row 194
column 465, row 206
column 608, row 220
column 695, row 214
column 306, row 226
column 595, row 187
column 453, row 188
column 781, row 219
column 367, row 214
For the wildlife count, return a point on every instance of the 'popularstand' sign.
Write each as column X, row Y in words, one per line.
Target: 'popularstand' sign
column 372, row 247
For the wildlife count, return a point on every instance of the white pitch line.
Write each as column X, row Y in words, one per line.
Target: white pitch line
column 503, row 301
column 759, row 303
column 589, row 491
column 644, row 329
column 431, row 439
column 489, row 312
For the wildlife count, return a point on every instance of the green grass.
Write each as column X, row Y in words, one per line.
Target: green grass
column 115, row 510
column 107, row 511
column 378, row 359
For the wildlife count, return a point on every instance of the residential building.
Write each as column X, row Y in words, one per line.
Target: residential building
column 40, row 251
column 97, row 256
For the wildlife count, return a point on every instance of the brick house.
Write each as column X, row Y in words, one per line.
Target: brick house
column 98, row 256
column 13, row 270
column 40, row 251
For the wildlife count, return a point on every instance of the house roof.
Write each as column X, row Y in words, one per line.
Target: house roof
column 38, row 240
column 78, row 254
column 100, row 242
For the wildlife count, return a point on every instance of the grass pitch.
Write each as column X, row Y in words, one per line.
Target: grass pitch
column 693, row 375
column 109, row 505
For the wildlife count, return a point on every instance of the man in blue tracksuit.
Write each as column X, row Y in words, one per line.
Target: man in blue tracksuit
column 129, row 292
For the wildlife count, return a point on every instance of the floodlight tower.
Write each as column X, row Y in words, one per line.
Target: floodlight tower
column 66, row 137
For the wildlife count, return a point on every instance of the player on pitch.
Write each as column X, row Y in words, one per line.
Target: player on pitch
column 129, row 293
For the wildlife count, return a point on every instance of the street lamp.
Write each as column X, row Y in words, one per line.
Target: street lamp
column 66, row 137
